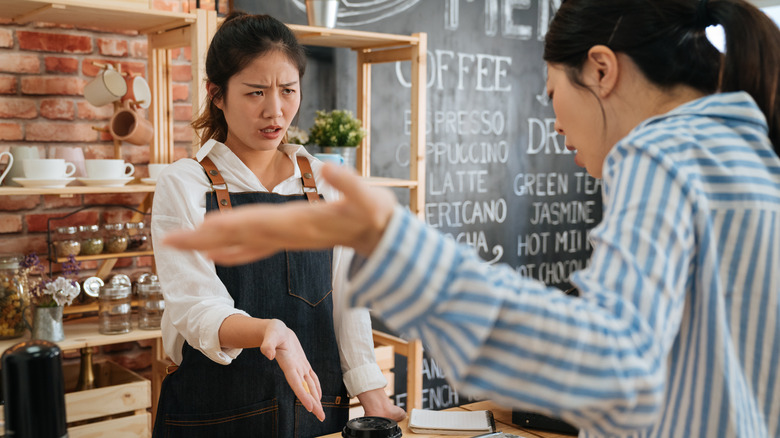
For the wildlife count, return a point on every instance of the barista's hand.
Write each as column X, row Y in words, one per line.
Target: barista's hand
column 280, row 343
column 248, row 233
column 376, row 404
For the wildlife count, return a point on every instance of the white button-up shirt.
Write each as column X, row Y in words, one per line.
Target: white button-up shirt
column 196, row 300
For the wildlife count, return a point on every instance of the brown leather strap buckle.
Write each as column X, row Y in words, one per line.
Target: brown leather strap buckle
column 307, row 179
column 218, row 184
column 170, row 369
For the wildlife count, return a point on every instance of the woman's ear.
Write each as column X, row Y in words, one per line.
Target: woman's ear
column 603, row 70
column 213, row 90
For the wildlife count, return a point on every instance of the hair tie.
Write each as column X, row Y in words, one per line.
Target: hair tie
column 702, row 17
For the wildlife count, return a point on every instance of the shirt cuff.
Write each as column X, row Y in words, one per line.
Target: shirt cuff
column 209, row 340
column 364, row 378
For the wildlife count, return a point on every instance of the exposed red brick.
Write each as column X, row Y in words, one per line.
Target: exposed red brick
column 57, row 201
column 182, row 113
column 19, row 203
column 182, row 133
column 139, row 49
column 17, row 108
column 19, row 63
column 136, row 154
column 7, row 85
column 180, row 152
column 182, row 73
column 144, row 261
column 181, row 92
column 98, row 151
column 11, row 131
column 58, row 109
column 61, row 64
column 87, row 111
column 187, row 52
column 54, row 42
column 37, row 222
column 10, row 223
column 56, row 85
column 16, row 243
column 129, row 199
column 167, row 5
column 112, row 46
column 6, row 38
column 50, row 131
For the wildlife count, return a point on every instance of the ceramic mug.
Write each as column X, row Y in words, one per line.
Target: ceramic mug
column 127, row 124
column 108, row 169
column 138, row 92
column 108, row 86
column 47, row 168
column 155, row 169
column 333, row 158
column 8, row 167
column 19, row 153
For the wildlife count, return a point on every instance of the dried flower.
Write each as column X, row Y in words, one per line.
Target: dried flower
column 296, row 135
column 45, row 292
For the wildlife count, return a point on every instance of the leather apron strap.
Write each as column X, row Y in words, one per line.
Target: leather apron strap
column 219, row 186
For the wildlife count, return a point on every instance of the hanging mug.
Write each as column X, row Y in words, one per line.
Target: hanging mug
column 138, row 92
column 129, row 125
column 108, row 86
column 8, row 167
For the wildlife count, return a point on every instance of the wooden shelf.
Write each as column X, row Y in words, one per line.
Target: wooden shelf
column 84, row 333
column 94, row 14
column 68, row 191
column 106, row 256
column 354, row 39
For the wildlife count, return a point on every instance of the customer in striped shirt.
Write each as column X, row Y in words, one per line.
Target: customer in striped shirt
column 677, row 331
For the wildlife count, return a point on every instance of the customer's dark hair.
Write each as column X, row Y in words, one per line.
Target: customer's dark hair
column 239, row 40
column 666, row 40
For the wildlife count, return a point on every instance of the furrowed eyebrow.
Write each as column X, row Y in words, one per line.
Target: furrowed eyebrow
column 261, row 86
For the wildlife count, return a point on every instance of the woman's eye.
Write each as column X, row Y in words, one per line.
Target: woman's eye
column 288, row 91
column 256, row 93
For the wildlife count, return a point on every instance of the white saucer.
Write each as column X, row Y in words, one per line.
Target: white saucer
column 151, row 181
column 108, row 182
column 47, row 183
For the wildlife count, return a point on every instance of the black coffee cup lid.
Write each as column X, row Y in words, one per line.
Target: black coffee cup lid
column 371, row 427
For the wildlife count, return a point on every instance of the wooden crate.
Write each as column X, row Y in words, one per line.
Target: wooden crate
column 116, row 407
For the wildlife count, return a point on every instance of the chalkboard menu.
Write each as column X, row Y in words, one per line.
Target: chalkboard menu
column 499, row 177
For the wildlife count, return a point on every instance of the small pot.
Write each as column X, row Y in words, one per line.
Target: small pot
column 322, row 13
column 371, row 427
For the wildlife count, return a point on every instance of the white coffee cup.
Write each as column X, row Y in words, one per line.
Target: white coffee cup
column 8, row 167
column 108, row 86
column 108, row 169
column 47, row 168
column 19, row 153
column 155, row 169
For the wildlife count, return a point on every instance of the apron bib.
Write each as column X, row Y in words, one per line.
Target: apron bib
column 250, row 397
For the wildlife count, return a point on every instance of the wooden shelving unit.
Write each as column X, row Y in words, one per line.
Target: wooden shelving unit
column 376, row 48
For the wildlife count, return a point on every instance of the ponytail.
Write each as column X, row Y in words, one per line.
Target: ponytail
column 752, row 59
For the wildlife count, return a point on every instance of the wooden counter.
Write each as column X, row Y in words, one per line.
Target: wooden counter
column 503, row 417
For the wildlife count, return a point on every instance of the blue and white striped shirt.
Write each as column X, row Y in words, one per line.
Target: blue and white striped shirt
column 677, row 332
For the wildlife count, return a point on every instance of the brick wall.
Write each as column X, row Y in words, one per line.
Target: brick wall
column 43, row 71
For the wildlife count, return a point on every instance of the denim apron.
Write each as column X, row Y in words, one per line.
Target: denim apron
column 250, row 397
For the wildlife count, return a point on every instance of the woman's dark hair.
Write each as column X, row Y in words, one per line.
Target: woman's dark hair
column 667, row 41
column 239, row 40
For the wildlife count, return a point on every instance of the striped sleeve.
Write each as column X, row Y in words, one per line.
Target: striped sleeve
column 597, row 362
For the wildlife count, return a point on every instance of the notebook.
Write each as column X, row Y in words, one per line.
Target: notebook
column 451, row 422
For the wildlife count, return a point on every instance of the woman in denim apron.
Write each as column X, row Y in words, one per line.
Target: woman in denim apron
column 277, row 313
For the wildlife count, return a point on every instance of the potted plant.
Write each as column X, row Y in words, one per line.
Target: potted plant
column 337, row 131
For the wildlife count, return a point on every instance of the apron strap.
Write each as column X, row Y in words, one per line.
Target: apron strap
column 220, row 187
column 218, row 184
column 307, row 178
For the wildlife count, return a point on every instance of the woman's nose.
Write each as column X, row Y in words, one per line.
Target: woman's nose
column 557, row 127
column 273, row 108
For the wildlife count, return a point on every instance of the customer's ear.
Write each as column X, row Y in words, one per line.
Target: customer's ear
column 602, row 70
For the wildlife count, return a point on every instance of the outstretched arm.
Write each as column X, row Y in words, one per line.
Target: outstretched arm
column 249, row 233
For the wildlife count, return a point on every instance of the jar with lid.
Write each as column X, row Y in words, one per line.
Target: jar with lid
column 115, row 307
column 150, row 302
column 91, row 240
column 13, row 299
column 137, row 235
column 115, row 238
column 66, row 242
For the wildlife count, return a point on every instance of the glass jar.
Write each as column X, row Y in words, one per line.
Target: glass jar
column 91, row 240
column 12, row 297
column 150, row 302
column 66, row 242
column 138, row 236
column 115, row 308
column 115, row 238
